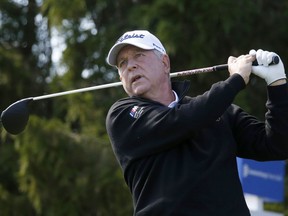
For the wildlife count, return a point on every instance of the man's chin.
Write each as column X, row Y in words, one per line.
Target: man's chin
column 139, row 91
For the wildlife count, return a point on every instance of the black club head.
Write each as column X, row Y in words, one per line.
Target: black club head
column 15, row 117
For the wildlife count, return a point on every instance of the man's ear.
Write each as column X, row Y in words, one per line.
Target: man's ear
column 166, row 62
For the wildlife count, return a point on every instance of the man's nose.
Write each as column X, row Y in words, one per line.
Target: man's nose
column 131, row 65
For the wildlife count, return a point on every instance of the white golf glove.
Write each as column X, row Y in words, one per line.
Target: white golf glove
column 270, row 73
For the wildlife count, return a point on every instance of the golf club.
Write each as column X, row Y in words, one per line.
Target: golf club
column 15, row 117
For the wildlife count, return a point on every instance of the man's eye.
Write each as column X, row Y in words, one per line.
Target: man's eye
column 121, row 63
column 139, row 55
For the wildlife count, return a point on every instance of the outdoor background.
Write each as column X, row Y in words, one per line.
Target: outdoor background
column 62, row 164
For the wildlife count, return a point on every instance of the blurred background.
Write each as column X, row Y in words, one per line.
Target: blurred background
column 63, row 164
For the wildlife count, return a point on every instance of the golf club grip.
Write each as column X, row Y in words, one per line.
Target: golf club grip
column 220, row 67
column 275, row 60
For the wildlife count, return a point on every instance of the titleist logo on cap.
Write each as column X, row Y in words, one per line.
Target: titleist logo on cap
column 128, row 36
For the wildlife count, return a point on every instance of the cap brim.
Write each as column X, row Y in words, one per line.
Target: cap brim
column 113, row 53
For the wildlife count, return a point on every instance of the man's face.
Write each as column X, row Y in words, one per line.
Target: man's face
column 142, row 72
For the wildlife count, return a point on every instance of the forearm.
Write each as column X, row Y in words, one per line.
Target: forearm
column 265, row 140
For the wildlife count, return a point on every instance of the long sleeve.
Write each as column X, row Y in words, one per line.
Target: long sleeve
column 266, row 140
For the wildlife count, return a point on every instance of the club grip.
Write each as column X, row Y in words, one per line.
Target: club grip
column 275, row 60
column 220, row 67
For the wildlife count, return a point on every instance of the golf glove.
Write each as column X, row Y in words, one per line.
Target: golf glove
column 270, row 73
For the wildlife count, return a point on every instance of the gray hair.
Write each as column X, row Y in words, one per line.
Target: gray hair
column 158, row 53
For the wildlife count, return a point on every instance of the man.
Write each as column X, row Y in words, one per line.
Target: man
column 178, row 153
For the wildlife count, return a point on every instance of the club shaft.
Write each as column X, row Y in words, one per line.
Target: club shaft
column 200, row 70
column 115, row 84
column 109, row 85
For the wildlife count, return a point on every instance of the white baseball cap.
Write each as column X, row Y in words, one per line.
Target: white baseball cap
column 139, row 38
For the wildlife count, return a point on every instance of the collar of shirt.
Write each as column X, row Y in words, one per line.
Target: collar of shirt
column 174, row 103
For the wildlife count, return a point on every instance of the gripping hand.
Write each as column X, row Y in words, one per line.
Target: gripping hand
column 270, row 73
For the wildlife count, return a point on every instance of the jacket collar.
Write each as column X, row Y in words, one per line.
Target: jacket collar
column 181, row 88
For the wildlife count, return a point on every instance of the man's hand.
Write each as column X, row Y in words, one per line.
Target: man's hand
column 241, row 65
column 272, row 74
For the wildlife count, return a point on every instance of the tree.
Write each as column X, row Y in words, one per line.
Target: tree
column 63, row 164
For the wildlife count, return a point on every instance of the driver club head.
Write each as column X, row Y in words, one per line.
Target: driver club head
column 15, row 117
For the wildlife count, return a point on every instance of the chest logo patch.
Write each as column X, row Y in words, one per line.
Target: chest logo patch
column 136, row 112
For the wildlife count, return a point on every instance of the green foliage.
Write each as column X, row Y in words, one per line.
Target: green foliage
column 12, row 200
column 68, row 10
column 62, row 164
column 68, row 174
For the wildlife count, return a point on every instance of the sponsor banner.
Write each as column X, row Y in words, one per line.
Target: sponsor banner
column 264, row 179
